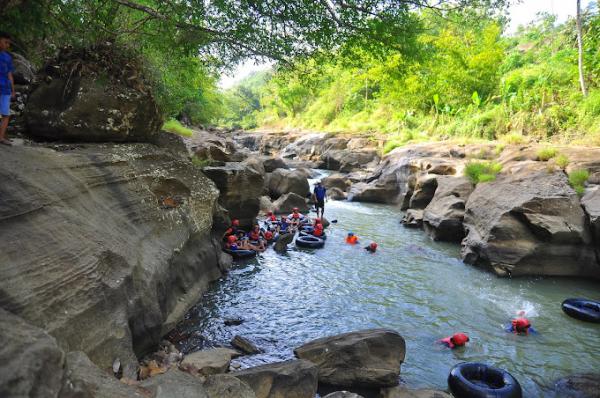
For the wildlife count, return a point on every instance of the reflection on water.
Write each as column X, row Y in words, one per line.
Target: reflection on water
column 415, row 286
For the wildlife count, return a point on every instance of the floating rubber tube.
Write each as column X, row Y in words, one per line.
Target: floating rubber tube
column 309, row 241
column 478, row 380
column 305, row 233
column 582, row 309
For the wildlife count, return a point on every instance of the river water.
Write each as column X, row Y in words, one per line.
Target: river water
column 413, row 285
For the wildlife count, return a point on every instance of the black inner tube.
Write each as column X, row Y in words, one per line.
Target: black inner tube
column 478, row 380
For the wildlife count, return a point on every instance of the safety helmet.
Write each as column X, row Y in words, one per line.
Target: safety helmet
column 235, row 222
column 459, row 338
column 231, row 238
column 373, row 245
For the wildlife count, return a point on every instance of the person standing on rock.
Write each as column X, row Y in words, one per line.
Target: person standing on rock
column 7, row 85
column 320, row 194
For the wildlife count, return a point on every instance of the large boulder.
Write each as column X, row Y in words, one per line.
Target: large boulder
column 347, row 161
column 283, row 181
column 289, row 379
column 209, row 362
column 336, row 194
column 424, row 189
column 339, row 181
column 591, row 205
column 528, row 224
column 272, row 164
column 367, row 358
column 83, row 379
column 227, row 386
column 443, row 216
column 174, row 384
column 31, row 363
column 96, row 94
column 240, row 188
column 106, row 246
column 286, row 203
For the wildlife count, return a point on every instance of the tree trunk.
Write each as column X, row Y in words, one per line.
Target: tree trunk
column 580, row 49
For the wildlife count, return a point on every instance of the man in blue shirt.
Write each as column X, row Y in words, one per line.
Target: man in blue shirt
column 7, row 85
column 320, row 194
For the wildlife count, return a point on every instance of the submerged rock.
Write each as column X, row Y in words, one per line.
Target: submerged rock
column 289, row 379
column 366, row 358
column 245, row 345
column 579, row 386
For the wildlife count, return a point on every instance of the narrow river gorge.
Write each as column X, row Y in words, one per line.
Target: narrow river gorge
column 413, row 285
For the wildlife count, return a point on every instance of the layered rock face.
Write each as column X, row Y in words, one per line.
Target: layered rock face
column 105, row 246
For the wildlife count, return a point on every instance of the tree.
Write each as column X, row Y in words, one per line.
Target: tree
column 580, row 49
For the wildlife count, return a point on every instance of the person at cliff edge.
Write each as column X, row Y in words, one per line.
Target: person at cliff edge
column 320, row 195
column 7, row 86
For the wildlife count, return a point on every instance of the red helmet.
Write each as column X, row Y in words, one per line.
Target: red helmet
column 235, row 222
column 269, row 235
column 521, row 324
column 231, row 238
column 373, row 245
column 459, row 339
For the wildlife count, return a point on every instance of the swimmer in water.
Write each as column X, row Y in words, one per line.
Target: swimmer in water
column 455, row 341
column 520, row 326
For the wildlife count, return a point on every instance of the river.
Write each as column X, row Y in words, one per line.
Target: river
column 413, row 285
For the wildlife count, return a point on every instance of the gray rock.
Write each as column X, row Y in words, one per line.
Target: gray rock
column 31, row 363
column 528, row 224
column 24, row 70
column 175, row 384
column 366, row 358
column 336, row 194
column 579, row 386
column 347, row 161
column 256, row 164
column 283, row 181
column 288, row 201
column 240, row 188
column 107, row 246
column 265, row 204
column 245, row 345
column 342, row 394
column 423, row 192
column 339, row 181
column 591, row 205
column 212, row 361
column 272, row 164
column 289, row 379
column 412, row 218
column 83, row 379
column 233, row 321
column 227, row 386
column 282, row 243
column 443, row 216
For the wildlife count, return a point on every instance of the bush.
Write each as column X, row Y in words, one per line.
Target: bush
column 577, row 179
column 546, row 154
column 513, row 139
column 562, row 161
column 482, row 171
column 175, row 127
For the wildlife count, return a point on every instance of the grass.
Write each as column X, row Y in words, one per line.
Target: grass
column 513, row 139
column 546, row 154
column 175, row 127
column 577, row 179
column 482, row 171
column 562, row 161
column 200, row 162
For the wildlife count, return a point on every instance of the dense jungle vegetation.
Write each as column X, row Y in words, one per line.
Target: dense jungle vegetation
column 460, row 78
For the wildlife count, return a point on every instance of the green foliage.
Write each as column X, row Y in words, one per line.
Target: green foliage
column 562, row 161
column 577, row 179
column 175, row 127
column 201, row 163
column 478, row 171
column 546, row 154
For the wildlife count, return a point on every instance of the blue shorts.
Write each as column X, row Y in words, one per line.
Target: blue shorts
column 5, row 105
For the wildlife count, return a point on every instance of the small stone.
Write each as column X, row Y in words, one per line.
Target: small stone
column 233, row 321
column 245, row 345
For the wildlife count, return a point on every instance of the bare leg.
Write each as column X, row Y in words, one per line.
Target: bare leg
column 3, row 127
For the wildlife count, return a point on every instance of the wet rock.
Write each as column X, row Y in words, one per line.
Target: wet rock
column 93, row 256
column 443, row 217
column 240, row 188
column 373, row 193
column 347, row 161
column 412, row 218
column 288, row 201
column 175, row 384
column 528, row 224
column 423, row 191
column 283, row 181
column 289, row 379
column 226, row 386
column 81, row 98
column 265, row 204
column 272, row 164
column 282, row 243
column 591, row 205
column 403, row 392
column 31, row 363
column 342, row 394
column 366, row 358
column 24, row 70
column 245, row 345
column 83, row 379
column 579, row 386
column 339, row 181
column 209, row 362
column 336, row 194
column 233, row 321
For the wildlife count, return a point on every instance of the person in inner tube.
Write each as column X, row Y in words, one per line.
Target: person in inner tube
column 295, row 218
column 454, row 341
column 271, row 217
column 233, row 229
column 351, row 238
column 256, row 236
column 520, row 326
column 283, row 226
column 318, row 228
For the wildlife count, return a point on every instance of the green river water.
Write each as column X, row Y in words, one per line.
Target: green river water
column 413, row 285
